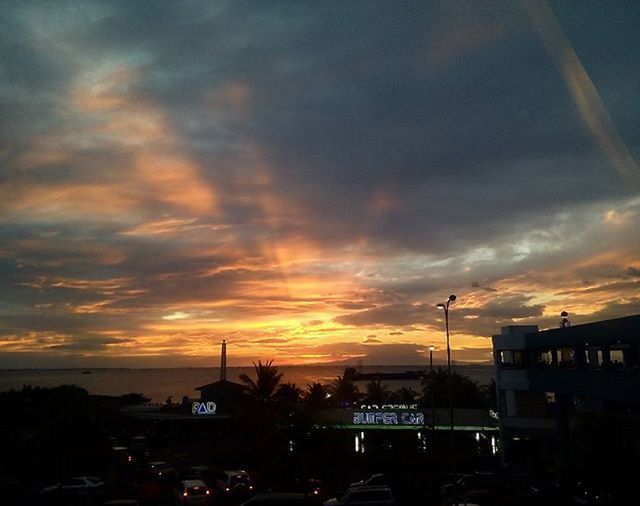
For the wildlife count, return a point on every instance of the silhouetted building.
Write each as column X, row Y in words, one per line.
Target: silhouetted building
column 547, row 381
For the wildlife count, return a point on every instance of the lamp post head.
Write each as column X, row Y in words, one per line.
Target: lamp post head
column 432, row 348
column 440, row 305
column 452, row 298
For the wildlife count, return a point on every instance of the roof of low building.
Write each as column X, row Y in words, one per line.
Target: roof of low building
column 223, row 385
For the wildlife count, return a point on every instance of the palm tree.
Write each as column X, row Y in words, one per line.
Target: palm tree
column 267, row 380
column 343, row 390
column 376, row 392
column 316, row 396
column 288, row 393
column 406, row 395
column 466, row 392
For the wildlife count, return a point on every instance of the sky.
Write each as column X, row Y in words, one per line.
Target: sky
column 307, row 180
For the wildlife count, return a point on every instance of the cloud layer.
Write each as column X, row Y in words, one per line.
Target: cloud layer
column 307, row 180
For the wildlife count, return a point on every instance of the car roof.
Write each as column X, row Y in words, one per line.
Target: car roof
column 236, row 471
column 276, row 496
column 376, row 488
column 193, row 483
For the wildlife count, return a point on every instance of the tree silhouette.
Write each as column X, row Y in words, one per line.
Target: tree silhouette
column 288, row 393
column 376, row 392
column 405, row 395
column 267, row 380
column 316, row 396
column 343, row 391
column 435, row 392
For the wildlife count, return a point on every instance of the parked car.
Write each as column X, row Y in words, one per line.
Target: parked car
column 476, row 482
column 140, row 447
column 365, row 496
column 192, row 492
column 161, row 470
column 78, row 486
column 278, row 498
column 207, row 474
column 403, row 486
column 311, row 486
column 11, row 488
column 236, row 483
column 374, row 480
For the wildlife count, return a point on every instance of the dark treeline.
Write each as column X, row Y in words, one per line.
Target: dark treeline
column 50, row 431
column 342, row 391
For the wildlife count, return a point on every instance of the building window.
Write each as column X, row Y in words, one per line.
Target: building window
column 620, row 356
column 566, row 358
column 542, row 358
column 512, row 359
column 596, row 357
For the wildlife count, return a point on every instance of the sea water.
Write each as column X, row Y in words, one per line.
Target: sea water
column 161, row 384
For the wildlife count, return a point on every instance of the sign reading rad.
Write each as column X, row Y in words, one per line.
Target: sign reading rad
column 203, row 408
column 387, row 418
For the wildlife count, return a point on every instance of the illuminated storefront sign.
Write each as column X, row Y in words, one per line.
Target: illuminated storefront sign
column 388, row 418
column 203, row 408
column 389, row 406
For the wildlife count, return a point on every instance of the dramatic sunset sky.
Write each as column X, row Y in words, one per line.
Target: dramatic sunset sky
column 307, row 179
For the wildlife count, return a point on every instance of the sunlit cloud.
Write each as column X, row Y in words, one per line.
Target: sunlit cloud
column 178, row 315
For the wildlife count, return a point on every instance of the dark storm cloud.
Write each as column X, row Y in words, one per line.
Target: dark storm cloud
column 93, row 343
column 501, row 308
column 512, row 307
column 391, row 315
column 324, row 99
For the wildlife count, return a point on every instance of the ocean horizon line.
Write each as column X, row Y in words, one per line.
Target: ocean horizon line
column 324, row 364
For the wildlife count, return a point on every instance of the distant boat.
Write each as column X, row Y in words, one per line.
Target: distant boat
column 87, row 372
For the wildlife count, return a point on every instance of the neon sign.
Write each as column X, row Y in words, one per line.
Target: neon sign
column 389, row 406
column 387, row 418
column 203, row 408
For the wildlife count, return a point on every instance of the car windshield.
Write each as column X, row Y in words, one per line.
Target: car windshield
column 377, row 480
column 197, row 490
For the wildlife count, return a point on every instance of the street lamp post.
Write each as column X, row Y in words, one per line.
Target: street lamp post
column 431, row 350
column 433, row 391
column 445, row 307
